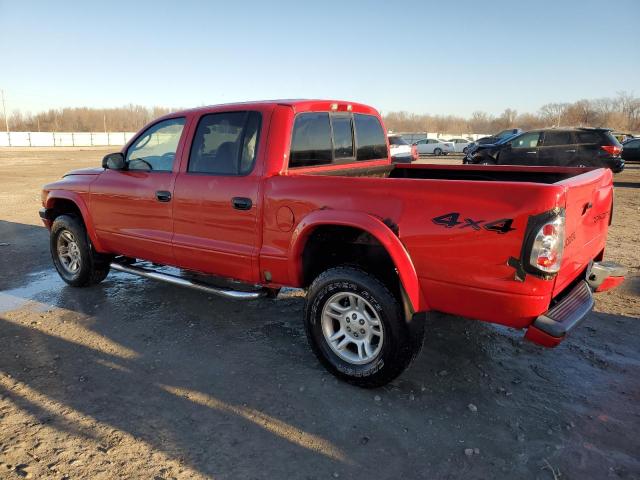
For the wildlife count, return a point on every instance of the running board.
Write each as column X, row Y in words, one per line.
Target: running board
column 182, row 282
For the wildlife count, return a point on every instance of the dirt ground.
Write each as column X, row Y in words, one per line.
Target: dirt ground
column 137, row 379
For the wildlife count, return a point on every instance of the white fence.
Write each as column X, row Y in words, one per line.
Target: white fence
column 63, row 139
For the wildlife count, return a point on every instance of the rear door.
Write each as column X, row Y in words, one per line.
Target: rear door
column 558, row 147
column 588, row 201
column 216, row 199
column 522, row 150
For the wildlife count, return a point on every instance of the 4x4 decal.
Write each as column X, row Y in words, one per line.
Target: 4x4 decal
column 451, row 220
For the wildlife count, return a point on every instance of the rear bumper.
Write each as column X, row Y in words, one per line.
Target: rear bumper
column 573, row 306
column 616, row 164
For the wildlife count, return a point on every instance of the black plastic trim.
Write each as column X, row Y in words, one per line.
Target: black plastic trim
column 568, row 313
column 46, row 213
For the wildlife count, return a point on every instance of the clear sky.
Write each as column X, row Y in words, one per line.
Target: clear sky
column 450, row 57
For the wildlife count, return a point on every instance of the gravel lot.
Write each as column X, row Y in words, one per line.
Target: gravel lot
column 137, row 379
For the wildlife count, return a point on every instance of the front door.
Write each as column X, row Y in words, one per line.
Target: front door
column 132, row 208
column 216, row 198
column 558, row 148
column 522, row 150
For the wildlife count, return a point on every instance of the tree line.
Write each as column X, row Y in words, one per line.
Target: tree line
column 129, row 118
column 619, row 113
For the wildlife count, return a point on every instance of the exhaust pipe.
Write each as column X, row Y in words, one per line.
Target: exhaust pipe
column 183, row 282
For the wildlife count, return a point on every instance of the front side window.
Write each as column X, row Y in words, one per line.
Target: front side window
column 225, row 143
column 527, row 140
column 371, row 139
column 155, row 149
column 552, row 139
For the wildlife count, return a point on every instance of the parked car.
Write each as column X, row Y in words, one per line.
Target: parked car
column 460, row 145
column 434, row 146
column 401, row 151
column 302, row 193
column 631, row 150
column 575, row 147
column 498, row 137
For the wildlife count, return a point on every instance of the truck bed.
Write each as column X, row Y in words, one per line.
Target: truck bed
column 548, row 175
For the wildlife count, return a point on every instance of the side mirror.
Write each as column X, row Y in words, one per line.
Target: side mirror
column 114, row 161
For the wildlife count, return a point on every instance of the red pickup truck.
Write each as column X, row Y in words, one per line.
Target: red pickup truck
column 302, row 193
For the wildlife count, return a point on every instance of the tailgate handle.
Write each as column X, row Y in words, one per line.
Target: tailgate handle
column 586, row 207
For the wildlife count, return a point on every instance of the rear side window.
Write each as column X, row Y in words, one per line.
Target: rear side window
column 372, row 143
column 225, row 143
column 557, row 138
column 311, row 142
column 588, row 137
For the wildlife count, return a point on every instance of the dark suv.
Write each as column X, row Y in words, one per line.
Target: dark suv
column 565, row 147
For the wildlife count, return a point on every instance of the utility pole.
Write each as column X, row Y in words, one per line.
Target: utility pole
column 104, row 122
column 4, row 112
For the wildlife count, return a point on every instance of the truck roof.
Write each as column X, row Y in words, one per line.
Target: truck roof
column 299, row 105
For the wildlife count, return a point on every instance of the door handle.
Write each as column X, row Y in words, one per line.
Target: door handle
column 241, row 203
column 163, row 196
column 570, row 151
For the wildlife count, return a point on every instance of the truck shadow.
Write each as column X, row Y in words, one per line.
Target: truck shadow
column 231, row 390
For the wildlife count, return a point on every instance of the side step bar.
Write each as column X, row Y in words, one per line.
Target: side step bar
column 182, row 282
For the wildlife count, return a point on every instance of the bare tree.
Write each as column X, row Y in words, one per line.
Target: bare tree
column 552, row 113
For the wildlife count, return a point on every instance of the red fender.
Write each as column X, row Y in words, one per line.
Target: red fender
column 370, row 224
column 82, row 206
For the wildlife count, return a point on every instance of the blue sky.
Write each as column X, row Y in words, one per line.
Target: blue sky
column 425, row 57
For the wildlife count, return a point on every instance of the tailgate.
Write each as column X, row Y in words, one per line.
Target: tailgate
column 588, row 203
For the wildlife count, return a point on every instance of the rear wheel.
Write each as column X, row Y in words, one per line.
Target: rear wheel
column 437, row 152
column 73, row 256
column 357, row 328
column 465, row 150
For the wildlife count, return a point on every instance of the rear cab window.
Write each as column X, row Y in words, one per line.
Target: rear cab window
column 323, row 138
column 397, row 140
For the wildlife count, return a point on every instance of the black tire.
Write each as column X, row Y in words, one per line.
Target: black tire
column 402, row 340
column 93, row 267
column 437, row 152
column 465, row 150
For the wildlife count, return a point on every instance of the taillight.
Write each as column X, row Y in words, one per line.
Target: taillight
column 414, row 153
column 612, row 150
column 546, row 251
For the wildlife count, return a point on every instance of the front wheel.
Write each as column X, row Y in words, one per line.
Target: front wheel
column 73, row 256
column 357, row 328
